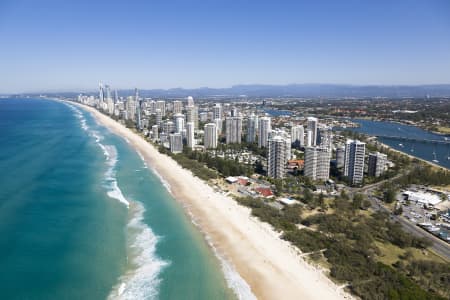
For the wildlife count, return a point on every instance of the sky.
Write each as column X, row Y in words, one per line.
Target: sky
column 57, row 45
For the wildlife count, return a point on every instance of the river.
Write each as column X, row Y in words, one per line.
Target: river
column 408, row 139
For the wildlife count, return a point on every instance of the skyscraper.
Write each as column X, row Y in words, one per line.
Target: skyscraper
column 326, row 138
column 376, row 164
column 217, row 111
column 312, row 126
column 138, row 109
column 309, row 137
column 178, row 120
column 155, row 133
column 210, row 138
column 168, row 127
column 131, row 108
column 190, row 101
column 177, row 107
column 233, row 130
column 340, row 157
column 192, row 115
column 158, row 114
column 298, row 135
column 317, row 162
column 219, row 125
column 252, row 126
column 109, row 100
column 190, row 142
column 101, row 95
column 161, row 104
column 264, row 131
column 279, row 149
column 116, row 96
column 354, row 161
column 176, row 142
column 234, row 112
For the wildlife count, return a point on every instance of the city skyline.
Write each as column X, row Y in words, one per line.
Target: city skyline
column 53, row 46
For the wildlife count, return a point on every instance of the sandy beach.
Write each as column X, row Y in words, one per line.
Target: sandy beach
column 271, row 266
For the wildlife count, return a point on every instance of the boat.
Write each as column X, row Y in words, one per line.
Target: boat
column 434, row 156
column 433, row 228
column 401, row 145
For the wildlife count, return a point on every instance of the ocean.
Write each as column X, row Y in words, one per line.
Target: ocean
column 83, row 217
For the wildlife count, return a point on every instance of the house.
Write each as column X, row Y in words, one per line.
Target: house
column 264, row 192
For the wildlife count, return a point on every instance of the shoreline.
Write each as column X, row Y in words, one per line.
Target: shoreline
column 269, row 265
column 412, row 157
column 432, row 164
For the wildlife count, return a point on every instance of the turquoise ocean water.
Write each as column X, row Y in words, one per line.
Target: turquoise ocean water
column 83, row 217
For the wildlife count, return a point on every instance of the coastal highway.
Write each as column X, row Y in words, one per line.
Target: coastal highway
column 440, row 247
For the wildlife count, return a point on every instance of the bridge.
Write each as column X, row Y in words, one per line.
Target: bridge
column 444, row 142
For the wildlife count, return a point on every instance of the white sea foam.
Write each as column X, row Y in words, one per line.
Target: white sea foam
column 143, row 159
column 163, row 181
column 79, row 115
column 116, row 193
column 234, row 281
column 239, row 286
column 110, row 175
column 142, row 281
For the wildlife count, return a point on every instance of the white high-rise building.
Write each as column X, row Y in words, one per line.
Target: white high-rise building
column 178, row 119
column 190, row 101
column 190, row 141
column 176, row 142
column 203, row 116
column 233, row 130
column 168, row 127
column 298, row 135
column 161, row 104
column 158, row 114
column 317, row 163
column 217, row 111
column 101, row 95
column 312, row 126
column 155, row 132
column 252, row 127
column 192, row 115
column 177, row 107
column 264, row 131
column 138, row 109
column 354, row 161
column 131, row 108
column 376, row 164
column 152, row 106
column 234, row 112
column 309, row 138
column 278, row 156
column 210, row 137
column 219, row 126
column 326, row 138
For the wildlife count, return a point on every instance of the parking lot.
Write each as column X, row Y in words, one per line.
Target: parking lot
column 427, row 218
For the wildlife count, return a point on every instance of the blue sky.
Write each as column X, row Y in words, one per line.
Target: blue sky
column 72, row 45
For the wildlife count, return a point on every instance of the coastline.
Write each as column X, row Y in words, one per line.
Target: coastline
column 268, row 264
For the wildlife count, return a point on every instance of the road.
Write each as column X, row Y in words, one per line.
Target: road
column 438, row 246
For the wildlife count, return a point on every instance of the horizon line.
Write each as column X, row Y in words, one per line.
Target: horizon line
column 81, row 90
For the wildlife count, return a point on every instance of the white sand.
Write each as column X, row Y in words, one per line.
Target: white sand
column 271, row 266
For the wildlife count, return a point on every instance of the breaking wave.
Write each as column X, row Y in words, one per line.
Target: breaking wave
column 142, row 281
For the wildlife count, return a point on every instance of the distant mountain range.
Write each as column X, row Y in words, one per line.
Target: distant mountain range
column 295, row 90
